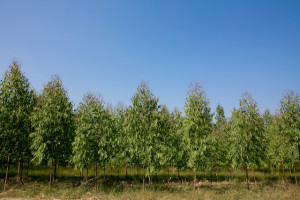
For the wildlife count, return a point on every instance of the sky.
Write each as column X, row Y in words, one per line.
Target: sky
column 109, row 46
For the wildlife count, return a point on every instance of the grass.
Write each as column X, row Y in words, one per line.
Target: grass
column 69, row 185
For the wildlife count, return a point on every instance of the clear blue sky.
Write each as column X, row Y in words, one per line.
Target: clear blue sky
column 110, row 46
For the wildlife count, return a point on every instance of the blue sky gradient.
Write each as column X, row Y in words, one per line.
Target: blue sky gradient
column 108, row 47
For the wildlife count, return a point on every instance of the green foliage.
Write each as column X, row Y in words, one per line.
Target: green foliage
column 247, row 135
column 17, row 100
column 179, row 149
column 90, row 118
column 53, row 119
column 284, row 132
column 197, row 126
column 142, row 128
column 217, row 154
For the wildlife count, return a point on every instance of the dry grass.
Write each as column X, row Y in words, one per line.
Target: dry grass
column 132, row 190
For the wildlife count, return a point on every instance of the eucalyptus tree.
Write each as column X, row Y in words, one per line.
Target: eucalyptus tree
column 89, row 120
column 164, row 145
column 284, row 136
column 107, row 148
column 268, row 120
column 53, row 119
column 121, row 140
column 142, row 128
column 179, row 150
column 17, row 100
column 197, row 127
column 247, row 135
column 217, row 143
column 290, row 112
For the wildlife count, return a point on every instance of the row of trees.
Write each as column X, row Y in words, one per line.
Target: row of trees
column 45, row 128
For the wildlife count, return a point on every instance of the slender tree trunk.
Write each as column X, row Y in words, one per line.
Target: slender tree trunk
column 6, row 176
column 87, row 173
column 290, row 172
column 28, row 165
column 211, row 177
column 126, row 169
column 195, row 179
column 50, row 174
column 110, row 171
column 82, row 173
column 173, row 167
column 96, row 179
column 295, row 174
column 2, row 166
column 137, row 170
column 104, row 171
column 118, row 172
column 144, row 178
column 18, row 176
column 272, row 169
column 22, row 167
column 54, row 174
column 253, row 174
column 284, row 178
column 178, row 175
column 168, row 174
column 247, row 177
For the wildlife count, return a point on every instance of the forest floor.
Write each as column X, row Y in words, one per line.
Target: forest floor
column 36, row 186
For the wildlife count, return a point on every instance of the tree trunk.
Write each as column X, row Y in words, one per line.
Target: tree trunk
column 118, row 172
column 272, row 169
column 253, row 174
column 173, row 167
column 87, row 173
column 290, row 172
column 54, row 174
column 195, row 179
column 104, row 171
column 96, row 178
column 126, row 169
column 211, row 177
column 295, row 174
column 247, row 177
column 50, row 174
column 18, row 176
column 2, row 166
column 168, row 174
column 284, row 178
column 144, row 178
column 178, row 175
column 28, row 164
column 6, row 176
column 110, row 171
column 22, row 167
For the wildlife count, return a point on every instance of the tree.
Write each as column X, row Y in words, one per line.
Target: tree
column 179, row 150
column 142, row 126
column 284, row 134
column 216, row 153
column 53, row 119
column 197, row 127
column 17, row 100
column 89, row 122
column 247, row 136
column 121, row 156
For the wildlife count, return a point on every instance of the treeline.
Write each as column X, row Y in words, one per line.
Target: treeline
column 45, row 128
